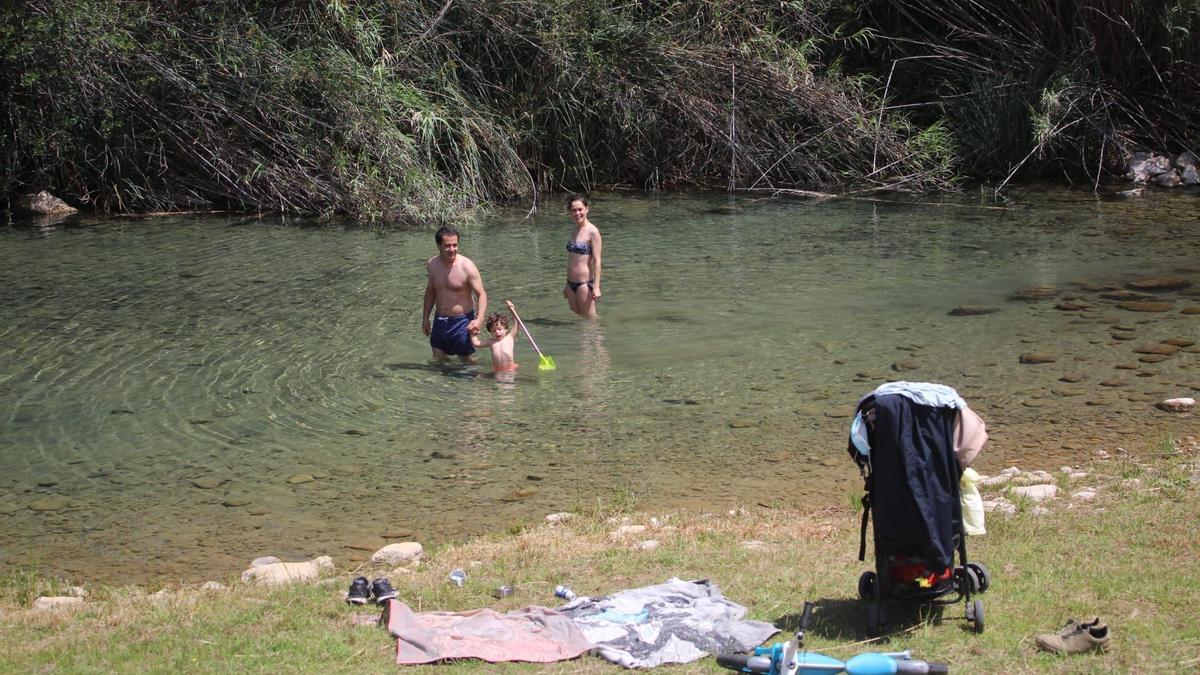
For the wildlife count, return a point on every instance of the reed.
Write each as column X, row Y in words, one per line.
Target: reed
column 1043, row 87
column 420, row 111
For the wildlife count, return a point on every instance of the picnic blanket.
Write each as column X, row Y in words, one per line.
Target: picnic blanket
column 675, row 622
column 535, row 634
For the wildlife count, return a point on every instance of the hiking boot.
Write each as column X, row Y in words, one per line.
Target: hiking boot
column 382, row 590
column 360, row 591
column 1075, row 638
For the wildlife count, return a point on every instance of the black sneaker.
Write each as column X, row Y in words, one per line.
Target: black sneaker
column 382, row 590
column 360, row 591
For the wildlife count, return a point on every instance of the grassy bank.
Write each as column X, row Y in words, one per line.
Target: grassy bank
column 1129, row 556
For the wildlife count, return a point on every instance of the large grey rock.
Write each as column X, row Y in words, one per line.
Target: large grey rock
column 282, row 573
column 51, row 602
column 395, row 554
column 1168, row 179
column 626, row 530
column 1036, row 493
column 1190, row 176
column 1187, row 160
column 1143, row 167
column 43, row 204
column 999, row 505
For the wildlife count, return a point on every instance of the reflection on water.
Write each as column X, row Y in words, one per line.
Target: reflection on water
column 183, row 395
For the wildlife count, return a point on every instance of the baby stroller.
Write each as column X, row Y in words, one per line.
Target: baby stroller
column 904, row 439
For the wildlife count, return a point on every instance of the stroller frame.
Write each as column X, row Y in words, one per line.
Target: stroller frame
column 878, row 587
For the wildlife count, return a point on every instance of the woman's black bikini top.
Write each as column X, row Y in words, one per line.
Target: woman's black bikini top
column 580, row 247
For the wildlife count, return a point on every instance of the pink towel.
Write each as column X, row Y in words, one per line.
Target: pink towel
column 535, row 634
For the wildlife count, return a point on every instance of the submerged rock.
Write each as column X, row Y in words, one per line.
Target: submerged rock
column 50, row 503
column 43, row 204
column 1160, row 283
column 208, row 482
column 1144, row 306
column 1037, row 357
column 1177, row 405
column 972, row 310
column 1160, row 348
column 1034, row 293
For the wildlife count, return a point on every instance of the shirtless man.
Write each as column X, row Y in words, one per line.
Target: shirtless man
column 453, row 280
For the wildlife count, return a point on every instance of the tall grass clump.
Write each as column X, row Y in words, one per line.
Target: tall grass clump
column 418, row 111
column 1039, row 87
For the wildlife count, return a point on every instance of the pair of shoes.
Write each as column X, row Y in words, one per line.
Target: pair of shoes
column 361, row 591
column 1075, row 637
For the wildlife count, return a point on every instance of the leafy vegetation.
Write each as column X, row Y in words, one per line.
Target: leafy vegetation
column 1040, row 86
column 418, row 111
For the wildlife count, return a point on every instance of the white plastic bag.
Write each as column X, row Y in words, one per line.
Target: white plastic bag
column 972, row 503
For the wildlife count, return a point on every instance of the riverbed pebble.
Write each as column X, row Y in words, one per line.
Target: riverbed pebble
column 1164, row 283
column 50, row 503
column 1144, row 306
column 972, row 310
column 1161, row 349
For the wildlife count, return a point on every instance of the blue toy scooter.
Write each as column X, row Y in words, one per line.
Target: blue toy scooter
column 787, row 658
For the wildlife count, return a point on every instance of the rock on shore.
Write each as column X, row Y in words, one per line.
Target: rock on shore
column 281, row 573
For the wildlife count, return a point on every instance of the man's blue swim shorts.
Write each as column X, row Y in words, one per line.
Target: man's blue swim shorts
column 449, row 334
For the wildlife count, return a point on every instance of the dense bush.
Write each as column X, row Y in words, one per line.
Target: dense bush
column 1044, row 86
column 417, row 110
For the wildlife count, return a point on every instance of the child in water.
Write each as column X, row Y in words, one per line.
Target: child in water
column 502, row 343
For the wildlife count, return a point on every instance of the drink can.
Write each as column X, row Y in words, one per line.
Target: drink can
column 503, row 591
column 563, row 592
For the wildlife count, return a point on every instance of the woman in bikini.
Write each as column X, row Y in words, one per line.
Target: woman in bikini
column 583, row 261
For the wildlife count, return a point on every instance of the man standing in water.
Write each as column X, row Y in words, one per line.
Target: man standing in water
column 453, row 283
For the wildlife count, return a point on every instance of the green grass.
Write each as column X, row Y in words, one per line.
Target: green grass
column 1128, row 557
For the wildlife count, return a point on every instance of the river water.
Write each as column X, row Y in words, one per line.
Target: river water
column 183, row 394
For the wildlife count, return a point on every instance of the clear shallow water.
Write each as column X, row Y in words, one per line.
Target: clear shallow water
column 166, row 383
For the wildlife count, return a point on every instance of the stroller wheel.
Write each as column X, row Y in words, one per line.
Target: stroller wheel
column 971, row 578
column 866, row 586
column 981, row 572
column 975, row 615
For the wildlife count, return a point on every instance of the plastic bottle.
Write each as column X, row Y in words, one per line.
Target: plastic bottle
column 563, row 592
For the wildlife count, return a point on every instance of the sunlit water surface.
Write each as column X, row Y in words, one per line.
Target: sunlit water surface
column 181, row 395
